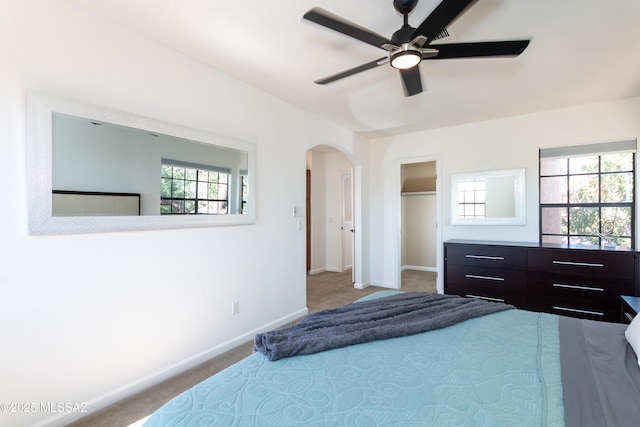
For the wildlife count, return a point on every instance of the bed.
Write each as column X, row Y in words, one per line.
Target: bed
column 510, row 367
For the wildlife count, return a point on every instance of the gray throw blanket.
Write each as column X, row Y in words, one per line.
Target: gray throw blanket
column 376, row 319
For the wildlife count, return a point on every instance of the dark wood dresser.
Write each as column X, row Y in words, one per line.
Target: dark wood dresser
column 578, row 281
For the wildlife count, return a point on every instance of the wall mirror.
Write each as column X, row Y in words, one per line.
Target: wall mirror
column 488, row 198
column 93, row 169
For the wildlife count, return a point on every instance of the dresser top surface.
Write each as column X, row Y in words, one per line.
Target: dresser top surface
column 539, row 245
column 633, row 302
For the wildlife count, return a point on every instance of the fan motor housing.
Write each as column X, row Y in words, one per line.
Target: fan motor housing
column 403, row 35
column 404, row 6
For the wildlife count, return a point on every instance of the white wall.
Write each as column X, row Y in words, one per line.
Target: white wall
column 498, row 144
column 95, row 317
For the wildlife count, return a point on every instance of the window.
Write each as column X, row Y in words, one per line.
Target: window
column 587, row 194
column 193, row 189
column 472, row 198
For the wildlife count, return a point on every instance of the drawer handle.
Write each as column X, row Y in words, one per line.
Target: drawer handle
column 495, row 258
column 575, row 310
column 485, row 298
column 580, row 264
column 582, row 288
column 474, row 276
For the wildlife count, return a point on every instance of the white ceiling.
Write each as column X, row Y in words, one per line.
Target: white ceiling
column 581, row 51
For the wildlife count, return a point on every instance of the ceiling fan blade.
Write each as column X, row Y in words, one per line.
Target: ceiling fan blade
column 411, row 81
column 441, row 17
column 352, row 71
column 341, row 25
column 478, row 49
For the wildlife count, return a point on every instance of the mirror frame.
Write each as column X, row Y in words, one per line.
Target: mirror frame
column 518, row 193
column 40, row 109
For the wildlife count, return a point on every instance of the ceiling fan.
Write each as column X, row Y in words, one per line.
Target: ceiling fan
column 408, row 46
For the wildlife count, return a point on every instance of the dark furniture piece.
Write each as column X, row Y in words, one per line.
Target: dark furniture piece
column 630, row 307
column 577, row 281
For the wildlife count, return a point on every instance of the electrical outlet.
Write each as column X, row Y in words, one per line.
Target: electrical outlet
column 235, row 307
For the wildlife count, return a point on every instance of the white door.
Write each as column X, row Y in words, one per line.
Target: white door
column 347, row 222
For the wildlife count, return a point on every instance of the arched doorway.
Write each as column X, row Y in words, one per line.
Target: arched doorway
column 333, row 209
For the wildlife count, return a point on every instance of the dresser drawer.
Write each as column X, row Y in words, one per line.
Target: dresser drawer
column 580, row 287
column 509, row 257
column 517, row 299
column 589, row 297
column 470, row 275
column 594, row 309
column 583, row 262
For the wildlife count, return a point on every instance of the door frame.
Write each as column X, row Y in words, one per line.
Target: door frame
column 344, row 176
column 398, row 200
column 308, row 219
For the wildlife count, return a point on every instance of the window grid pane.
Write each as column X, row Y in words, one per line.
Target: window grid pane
column 554, row 189
column 584, row 221
column 583, row 164
column 617, row 162
column 583, row 189
column 551, row 167
column 617, row 187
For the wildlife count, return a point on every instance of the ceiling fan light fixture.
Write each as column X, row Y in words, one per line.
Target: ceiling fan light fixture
column 406, row 57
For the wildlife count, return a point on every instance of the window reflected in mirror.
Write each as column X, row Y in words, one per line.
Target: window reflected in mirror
column 488, row 198
column 195, row 190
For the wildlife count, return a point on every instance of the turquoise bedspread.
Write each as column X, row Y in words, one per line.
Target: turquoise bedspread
column 502, row 369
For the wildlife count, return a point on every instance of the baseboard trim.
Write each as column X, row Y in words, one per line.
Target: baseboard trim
column 329, row 269
column 419, row 268
column 362, row 285
column 384, row 285
column 98, row 403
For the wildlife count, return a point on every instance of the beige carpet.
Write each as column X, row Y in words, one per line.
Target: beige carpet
column 324, row 290
column 330, row 290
